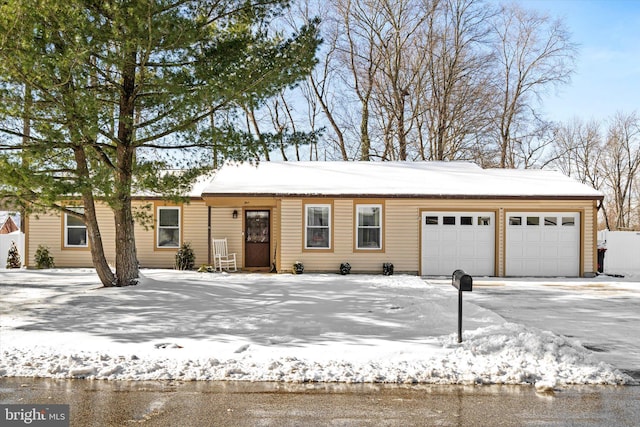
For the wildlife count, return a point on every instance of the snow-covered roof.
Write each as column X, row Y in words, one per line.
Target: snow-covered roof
column 393, row 179
column 5, row 215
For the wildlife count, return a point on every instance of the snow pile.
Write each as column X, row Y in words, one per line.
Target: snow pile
column 325, row 328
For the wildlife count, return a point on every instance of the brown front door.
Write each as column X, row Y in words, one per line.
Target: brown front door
column 257, row 238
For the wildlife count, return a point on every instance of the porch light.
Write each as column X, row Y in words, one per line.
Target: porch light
column 235, row 214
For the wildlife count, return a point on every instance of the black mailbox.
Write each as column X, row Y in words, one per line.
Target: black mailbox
column 462, row 281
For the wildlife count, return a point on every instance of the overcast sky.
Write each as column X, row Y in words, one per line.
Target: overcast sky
column 607, row 77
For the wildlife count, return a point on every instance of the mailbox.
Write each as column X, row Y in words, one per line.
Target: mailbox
column 462, row 281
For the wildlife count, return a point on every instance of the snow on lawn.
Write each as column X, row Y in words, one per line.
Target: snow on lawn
column 200, row 326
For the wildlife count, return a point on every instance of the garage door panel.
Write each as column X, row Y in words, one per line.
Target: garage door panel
column 467, row 237
column 467, row 252
column 450, row 235
column 449, row 251
column 552, row 251
column 531, row 251
column 467, row 242
column 543, row 246
column 532, row 236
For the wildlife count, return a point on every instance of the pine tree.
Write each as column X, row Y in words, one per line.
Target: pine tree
column 13, row 259
column 114, row 93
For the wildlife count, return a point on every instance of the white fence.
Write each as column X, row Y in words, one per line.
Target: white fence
column 5, row 245
column 623, row 252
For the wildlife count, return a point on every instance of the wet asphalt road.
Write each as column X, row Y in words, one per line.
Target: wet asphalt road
column 121, row 403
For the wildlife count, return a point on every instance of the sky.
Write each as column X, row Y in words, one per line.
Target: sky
column 185, row 325
column 607, row 78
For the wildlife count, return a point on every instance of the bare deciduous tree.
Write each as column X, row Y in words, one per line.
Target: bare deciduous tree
column 577, row 151
column 622, row 163
column 534, row 54
column 457, row 97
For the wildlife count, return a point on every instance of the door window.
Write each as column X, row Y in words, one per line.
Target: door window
column 257, row 226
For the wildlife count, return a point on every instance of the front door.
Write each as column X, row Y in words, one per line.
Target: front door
column 257, row 238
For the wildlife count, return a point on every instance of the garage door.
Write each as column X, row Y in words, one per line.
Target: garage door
column 543, row 244
column 453, row 240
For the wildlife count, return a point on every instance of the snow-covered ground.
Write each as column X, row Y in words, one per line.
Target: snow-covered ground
column 263, row 327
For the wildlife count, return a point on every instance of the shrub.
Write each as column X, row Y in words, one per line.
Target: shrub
column 43, row 258
column 13, row 258
column 185, row 258
column 298, row 268
column 345, row 268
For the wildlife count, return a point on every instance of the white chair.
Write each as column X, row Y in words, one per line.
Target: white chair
column 221, row 256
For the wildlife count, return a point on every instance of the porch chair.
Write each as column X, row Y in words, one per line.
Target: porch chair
column 221, row 256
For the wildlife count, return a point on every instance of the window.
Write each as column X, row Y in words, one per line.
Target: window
column 449, row 220
column 515, row 220
column 431, row 220
column 533, row 220
column 75, row 231
column 318, row 227
column 168, row 227
column 369, row 226
column 550, row 220
column 484, row 220
column 568, row 221
column 466, row 220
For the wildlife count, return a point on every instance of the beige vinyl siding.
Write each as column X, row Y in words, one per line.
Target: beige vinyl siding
column 48, row 229
column 401, row 232
column 402, row 228
column 590, row 240
column 290, row 245
column 224, row 225
column 276, row 232
column 195, row 229
column 397, row 228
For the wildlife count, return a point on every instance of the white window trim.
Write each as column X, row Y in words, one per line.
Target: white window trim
column 67, row 227
column 307, row 226
column 158, row 227
column 358, row 207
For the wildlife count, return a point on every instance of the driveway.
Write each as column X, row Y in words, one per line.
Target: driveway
column 603, row 313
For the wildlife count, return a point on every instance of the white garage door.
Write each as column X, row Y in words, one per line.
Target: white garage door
column 543, row 244
column 453, row 240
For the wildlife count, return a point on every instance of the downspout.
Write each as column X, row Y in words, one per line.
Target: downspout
column 208, row 235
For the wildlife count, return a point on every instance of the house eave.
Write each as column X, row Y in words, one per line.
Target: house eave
column 405, row 196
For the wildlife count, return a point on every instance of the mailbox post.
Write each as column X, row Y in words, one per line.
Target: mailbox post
column 463, row 283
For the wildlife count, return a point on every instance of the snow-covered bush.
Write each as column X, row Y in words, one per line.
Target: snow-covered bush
column 43, row 258
column 185, row 258
column 13, row 258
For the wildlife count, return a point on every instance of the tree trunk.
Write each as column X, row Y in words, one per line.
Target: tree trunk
column 126, row 257
column 98, row 258
column 26, row 139
column 365, row 141
column 91, row 222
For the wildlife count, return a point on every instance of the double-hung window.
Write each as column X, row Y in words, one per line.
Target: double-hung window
column 168, row 229
column 75, row 231
column 369, row 227
column 317, row 227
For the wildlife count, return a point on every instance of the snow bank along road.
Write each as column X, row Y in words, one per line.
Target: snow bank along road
column 256, row 327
